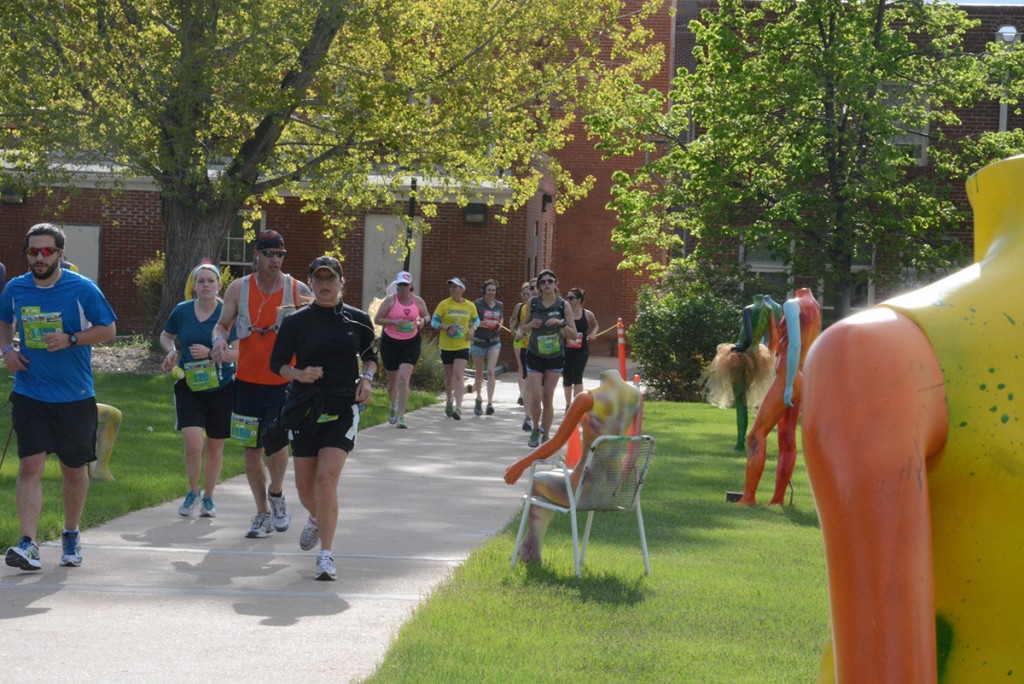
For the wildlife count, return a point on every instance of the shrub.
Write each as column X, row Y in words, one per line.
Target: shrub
column 150, row 283
column 676, row 334
column 428, row 375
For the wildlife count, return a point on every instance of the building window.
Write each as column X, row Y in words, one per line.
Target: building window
column 912, row 139
column 236, row 254
column 767, row 274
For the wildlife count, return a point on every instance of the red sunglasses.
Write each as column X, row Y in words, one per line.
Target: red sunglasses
column 45, row 251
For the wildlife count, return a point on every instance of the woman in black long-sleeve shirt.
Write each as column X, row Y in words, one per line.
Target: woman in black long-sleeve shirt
column 319, row 348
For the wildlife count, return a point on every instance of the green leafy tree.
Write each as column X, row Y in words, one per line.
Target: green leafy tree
column 802, row 112
column 228, row 102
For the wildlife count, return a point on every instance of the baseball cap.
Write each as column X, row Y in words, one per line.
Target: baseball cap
column 269, row 239
column 403, row 278
column 457, row 283
column 325, row 262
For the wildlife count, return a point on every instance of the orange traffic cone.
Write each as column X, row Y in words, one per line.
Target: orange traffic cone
column 574, row 450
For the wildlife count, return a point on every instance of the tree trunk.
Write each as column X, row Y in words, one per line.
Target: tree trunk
column 190, row 235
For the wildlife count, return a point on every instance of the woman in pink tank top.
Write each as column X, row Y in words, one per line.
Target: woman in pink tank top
column 401, row 316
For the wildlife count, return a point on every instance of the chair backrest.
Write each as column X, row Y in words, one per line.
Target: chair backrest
column 614, row 473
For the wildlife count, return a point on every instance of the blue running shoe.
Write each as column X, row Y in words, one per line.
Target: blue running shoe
column 208, row 509
column 189, row 504
column 25, row 555
column 72, row 546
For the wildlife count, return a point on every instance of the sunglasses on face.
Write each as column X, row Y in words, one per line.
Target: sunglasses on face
column 45, row 251
column 572, row 298
column 546, row 281
column 273, row 253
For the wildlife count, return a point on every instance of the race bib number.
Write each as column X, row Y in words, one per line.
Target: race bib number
column 244, row 430
column 575, row 344
column 549, row 345
column 36, row 324
column 406, row 326
column 201, row 375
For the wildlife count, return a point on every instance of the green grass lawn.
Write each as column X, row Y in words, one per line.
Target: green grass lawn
column 150, row 461
column 735, row 594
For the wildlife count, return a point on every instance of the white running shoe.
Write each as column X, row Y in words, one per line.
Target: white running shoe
column 325, row 571
column 260, row 526
column 310, row 535
column 279, row 512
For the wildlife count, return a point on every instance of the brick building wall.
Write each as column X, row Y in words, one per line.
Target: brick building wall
column 583, row 255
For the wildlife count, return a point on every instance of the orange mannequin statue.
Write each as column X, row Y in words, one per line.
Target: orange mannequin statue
column 612, row 408
column 781, row 405
column 741, row 373
column 912, row 433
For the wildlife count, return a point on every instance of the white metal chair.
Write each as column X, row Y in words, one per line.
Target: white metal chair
column 614, row 472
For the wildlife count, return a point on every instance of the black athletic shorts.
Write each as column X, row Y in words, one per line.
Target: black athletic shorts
column 210, row 410
column 339, row 433
column 543, row 364
column 448, row 356
column 259, row 401
column 67, row 429
column 394, row 353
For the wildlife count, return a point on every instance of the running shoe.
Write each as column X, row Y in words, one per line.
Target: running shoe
column 392, row 415
column 260, row 526
column 543, row 439
column 457, row 413
column 401, row 423
column 534, row 440
column 279, row 512
column 208, row 509
column 325, row 571
column 25, row 555
column 520, row 400
column 310, row 535
column 448, row 408
column 527, row 425
column 72, row 547
column 490, row 409
column 478, row 407
column 188, row 506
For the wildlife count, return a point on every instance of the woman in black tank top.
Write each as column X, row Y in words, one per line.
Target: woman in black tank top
column 577, row 351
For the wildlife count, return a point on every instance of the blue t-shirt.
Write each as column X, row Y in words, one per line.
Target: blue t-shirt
column 72, row 304
column 189, row 330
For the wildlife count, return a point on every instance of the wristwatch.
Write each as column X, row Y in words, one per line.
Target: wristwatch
column 73, row 339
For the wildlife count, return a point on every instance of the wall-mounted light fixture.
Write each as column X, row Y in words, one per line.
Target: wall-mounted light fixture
column 11, row 196
column 1007, row 35
column 476, row 212
column 545, row 202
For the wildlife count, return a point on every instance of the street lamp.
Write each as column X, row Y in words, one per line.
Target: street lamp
column 1007, row 35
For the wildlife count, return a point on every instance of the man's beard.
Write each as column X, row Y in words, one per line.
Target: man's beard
column 45, row 275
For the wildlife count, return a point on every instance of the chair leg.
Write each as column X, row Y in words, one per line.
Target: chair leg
column 586, row 536
column 575, row 542
column 522, row 529
column 643, row 539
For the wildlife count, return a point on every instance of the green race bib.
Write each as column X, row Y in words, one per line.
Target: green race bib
column 549, row 345
column 244, row 430
column 36, row 324
column 201, row 375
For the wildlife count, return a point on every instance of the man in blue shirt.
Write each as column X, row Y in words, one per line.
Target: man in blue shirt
column 58, row 315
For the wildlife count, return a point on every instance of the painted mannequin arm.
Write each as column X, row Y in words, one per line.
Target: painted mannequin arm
column 873, row 413
column 577, row 410
column 746, row 330
column 791, row 314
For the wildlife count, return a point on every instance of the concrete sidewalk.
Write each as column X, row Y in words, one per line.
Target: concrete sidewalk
column 161, row 598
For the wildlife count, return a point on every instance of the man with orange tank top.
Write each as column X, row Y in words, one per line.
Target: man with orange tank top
column 256, row 305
